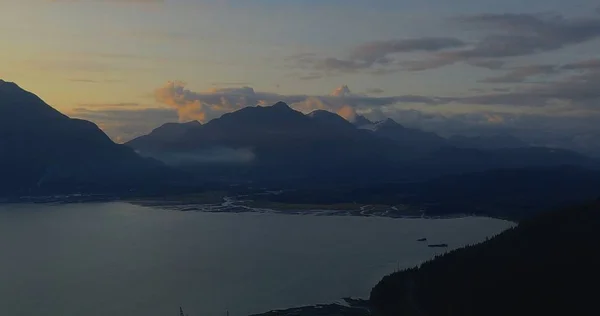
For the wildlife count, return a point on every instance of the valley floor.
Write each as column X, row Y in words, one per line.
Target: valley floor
column 220, row 202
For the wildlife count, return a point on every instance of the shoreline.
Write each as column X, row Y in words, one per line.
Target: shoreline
column 344, row 307
column 232, row 205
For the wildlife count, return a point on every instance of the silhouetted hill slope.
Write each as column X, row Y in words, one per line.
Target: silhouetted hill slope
column 545, row 266
column 409, row 137
column 361, row 121
column 487, row 142
column 168, row 132
column 42, row 149
column 327, row 118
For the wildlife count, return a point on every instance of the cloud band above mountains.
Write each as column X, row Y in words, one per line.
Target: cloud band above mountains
column 501, row 36
column 563, row 113
column 204, row 106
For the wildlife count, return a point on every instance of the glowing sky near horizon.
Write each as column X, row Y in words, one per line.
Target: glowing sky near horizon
column 110, row 61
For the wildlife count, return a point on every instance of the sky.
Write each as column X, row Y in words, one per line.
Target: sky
column 473, row 67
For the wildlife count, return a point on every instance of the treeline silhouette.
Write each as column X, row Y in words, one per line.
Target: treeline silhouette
column 514, row 194
column 545, row 265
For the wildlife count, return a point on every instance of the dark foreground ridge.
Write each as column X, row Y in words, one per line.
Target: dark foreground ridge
column 544, row 266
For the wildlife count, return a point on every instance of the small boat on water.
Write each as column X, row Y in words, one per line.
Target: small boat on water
column 422, row 239
column 438, row 246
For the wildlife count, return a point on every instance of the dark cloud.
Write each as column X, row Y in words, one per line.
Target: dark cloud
column 379, row 51
column 329, row 66
column 335, row 64
column 590, row 64
column 492, row 64
column 311, row 76
column 375, row 91
column 525, row 34
column 520, row 74
column 503, row 36
column 376, row 57
column 513, row 35
column 578, row 90
column 230, row 83
column 424, row 64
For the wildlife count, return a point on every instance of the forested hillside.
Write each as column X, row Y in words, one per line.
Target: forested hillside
column 545, row 266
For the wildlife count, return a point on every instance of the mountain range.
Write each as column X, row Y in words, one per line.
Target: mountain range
column 274, row 142
column 43, row 149
column 280, row 144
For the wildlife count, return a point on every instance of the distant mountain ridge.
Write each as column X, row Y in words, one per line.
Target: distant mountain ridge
column 331, row 119
column 409, row 137
column 168, row 132
column 488, row 142
column 268, row 121
column 285, row 143
column 361, row 121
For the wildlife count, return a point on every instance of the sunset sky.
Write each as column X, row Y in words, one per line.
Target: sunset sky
column 530, row 68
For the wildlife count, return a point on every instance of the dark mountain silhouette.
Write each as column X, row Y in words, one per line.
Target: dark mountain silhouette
column 277, row 142
column 546, row 266
column 327, row 118
column 487, row 142
column 409, row 138
column 171, row 131
column 43, row 149
column 285, row 144
column 168, row 132
column 361, row 121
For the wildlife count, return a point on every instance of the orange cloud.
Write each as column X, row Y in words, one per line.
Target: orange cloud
column 174, row 95
column 494, row 119
column 204, row 106
column 347, row 112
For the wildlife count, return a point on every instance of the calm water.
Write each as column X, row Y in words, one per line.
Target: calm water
column 119, row 259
